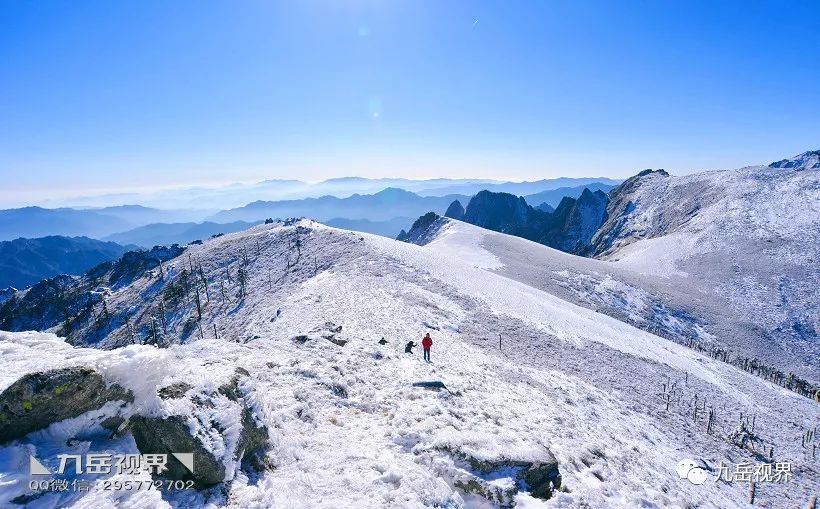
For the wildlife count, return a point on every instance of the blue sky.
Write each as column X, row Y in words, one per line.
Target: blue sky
column 102, row 95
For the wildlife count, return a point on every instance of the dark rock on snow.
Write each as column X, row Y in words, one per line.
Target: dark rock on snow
column 423, row 230
column 174, row 391
column 38, row 400
column 541, row 478
column 170, row 435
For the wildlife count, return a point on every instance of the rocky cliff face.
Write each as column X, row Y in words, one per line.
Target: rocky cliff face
column 569, row 228
column 574, row 222
column 423, row 230
column 622, row 202
column 506, row 213
column 455, row 211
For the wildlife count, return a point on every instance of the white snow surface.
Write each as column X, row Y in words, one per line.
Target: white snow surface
column 750, row 237
column 348, row 429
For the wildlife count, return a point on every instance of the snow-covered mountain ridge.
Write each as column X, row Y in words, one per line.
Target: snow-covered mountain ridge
column 300, row 308
column 749, row 238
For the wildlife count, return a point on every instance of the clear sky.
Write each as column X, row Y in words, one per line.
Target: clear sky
column 112, row 95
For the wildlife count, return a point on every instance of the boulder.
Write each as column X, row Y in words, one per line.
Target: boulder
column 542, row 479
column 434, row 385
column 38, row 400
column 499, row 496
column 174, row 391
column 539, row 478
column 171, row 435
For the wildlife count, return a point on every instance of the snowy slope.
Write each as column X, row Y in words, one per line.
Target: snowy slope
column 749, row 239
column 347, row 428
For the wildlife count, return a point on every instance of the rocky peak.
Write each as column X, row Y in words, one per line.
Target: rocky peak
column 502, row 212
column 424, row 229
column 455, row 211
column 804, row 161
column 661, row 172
column 546, row 207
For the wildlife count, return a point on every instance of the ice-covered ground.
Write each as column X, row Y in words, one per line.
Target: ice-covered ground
column 748, row 238
column 348, row 429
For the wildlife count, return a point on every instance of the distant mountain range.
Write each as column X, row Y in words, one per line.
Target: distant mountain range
column 382, row 206
column 166, row 234
column 44, row 249
column 33, row 222
column 554, row 196
column 239, row 194
column 24, row 262
column 385, row 212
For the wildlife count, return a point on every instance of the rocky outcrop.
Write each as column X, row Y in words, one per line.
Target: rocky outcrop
column 539, row 478
column 171, row 435
column 424, row 229
column 328, row 331
column 455, row 211
column 804, row 161
column 621, row 206
column 183, row 434
column 569, row 227
column 174, row 391
column 38, row 400
column 506, row 213
column 575, row 221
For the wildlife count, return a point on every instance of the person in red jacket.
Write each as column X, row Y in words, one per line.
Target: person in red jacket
column 426, row 344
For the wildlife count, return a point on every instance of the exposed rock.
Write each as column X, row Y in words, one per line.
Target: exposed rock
column 455, row 211
column 569, row 227
column 113, row 423
column 503, row 497
column 435, row 385
column 545, row 207
column 505, row 213
column 173, row 435
column 174, row 391
column 327, row 331
column 300, row 339
column 252, row 442
column 253, row 438
column 621, row 205
column 170, row 435
column 540, row 478
column 806, row 160
column 575, row 221
column 38, row 400
column 423, row 230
